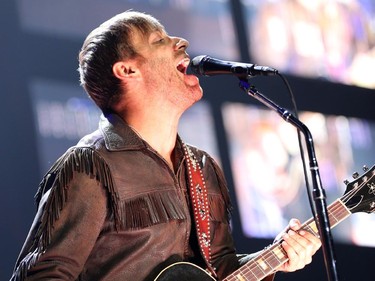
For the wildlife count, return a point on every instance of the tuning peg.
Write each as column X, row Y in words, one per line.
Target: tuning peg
column 365, row 168
column 346, row 182
column 355, row 175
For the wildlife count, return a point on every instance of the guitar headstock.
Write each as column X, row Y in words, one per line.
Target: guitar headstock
column 360, row 194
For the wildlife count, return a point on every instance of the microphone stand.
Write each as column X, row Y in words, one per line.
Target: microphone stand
column 319, row 196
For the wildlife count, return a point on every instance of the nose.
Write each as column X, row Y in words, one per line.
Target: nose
column 181, row 43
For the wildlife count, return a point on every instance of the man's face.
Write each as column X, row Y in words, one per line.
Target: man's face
column 164, row 65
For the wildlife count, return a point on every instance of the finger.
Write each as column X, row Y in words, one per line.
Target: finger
column 295, row 261
column 305, row 244
column 294, row 224
column 315, row 241
column 295, row 250
column 290, row 265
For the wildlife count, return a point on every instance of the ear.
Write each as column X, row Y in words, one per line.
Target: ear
column 123, row 70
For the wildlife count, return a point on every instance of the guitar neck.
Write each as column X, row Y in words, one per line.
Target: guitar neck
column 274, row 256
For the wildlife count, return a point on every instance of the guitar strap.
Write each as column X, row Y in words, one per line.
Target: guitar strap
column 199, row 200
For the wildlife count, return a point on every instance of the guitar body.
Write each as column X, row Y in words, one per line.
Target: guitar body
column 183, row 271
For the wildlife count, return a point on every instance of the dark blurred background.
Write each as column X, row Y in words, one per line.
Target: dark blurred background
column 324, row 48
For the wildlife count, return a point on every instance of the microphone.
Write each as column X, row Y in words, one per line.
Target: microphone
column 207, row 66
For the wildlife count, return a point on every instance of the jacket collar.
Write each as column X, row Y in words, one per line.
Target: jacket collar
column 118, row 135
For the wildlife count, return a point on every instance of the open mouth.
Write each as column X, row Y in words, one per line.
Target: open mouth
column 183, row 65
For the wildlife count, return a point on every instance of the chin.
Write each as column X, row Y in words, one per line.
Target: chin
column 197, row 94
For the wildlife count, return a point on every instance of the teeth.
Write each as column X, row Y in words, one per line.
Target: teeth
column 183, row 64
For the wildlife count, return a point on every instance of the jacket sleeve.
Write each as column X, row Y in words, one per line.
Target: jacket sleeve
column 70, row 216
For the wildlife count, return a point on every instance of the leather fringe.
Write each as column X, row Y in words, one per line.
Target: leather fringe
column 21, row 272
column 161, row 207
column 151, row 209
column 75, row 160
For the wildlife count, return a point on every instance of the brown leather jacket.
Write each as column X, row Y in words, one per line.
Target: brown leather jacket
column 111, row 209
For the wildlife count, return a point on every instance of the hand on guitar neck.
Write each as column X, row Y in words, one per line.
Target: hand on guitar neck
column 299, row 245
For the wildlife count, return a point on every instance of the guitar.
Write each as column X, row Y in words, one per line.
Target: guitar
column 359, row 196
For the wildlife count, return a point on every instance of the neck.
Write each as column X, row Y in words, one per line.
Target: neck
column 154, row 115
column 158, row 130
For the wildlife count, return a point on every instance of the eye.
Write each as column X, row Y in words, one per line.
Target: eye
column 159, row 40
column 158, row 37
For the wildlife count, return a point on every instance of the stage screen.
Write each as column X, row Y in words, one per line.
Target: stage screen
column 267, row 168
column 333, row 40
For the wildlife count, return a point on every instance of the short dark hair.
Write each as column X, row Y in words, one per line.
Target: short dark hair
column 106, row 45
